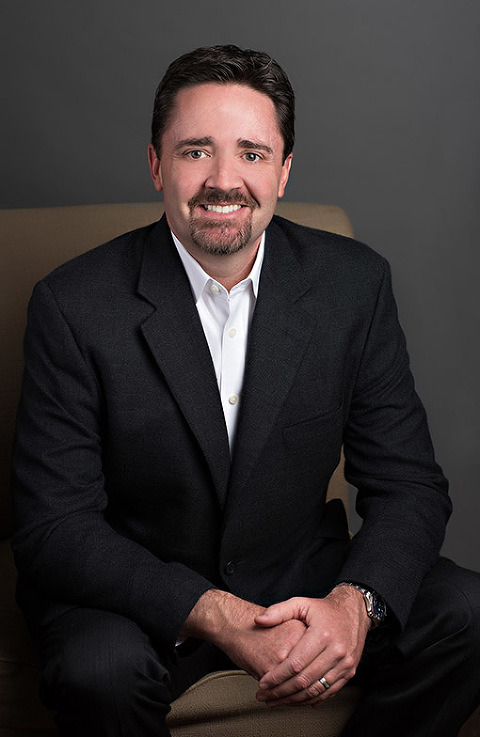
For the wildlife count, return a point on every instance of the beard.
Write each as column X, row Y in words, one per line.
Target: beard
column 220, row 237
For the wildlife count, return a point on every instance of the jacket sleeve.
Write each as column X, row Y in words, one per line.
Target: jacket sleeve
column 402, row 494
column 63, row 545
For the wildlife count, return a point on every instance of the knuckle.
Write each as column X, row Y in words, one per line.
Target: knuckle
column 301, row 604
column 339, row 652
column 299, row 600
column 275, row 680
column 326, row 634
column 302, row 682
column 283, row 653
column 314, row 692
column 296, row 665
column 350, row 672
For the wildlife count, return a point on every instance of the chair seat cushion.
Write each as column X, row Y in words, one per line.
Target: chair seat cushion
column 223, row 704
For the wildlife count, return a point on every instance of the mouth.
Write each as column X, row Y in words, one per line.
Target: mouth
column 217, row 204
column 222, row 209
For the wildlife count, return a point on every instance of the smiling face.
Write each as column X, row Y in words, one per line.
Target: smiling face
column 221, row 168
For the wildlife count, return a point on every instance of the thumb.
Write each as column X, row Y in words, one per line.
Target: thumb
column 278, row 613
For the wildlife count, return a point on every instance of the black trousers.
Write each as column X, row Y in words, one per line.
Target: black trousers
column 106, row 678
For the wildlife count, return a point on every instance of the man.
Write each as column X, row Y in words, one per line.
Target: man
column 187, row 392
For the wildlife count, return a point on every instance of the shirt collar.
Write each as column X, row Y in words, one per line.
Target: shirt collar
column 199, row 278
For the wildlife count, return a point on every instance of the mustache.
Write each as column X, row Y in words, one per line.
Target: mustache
column 221, row 197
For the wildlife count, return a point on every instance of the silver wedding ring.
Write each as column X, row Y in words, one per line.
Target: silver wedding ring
column 324, row 683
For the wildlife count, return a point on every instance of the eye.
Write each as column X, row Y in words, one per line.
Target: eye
column 251, row 156
column 196, row 154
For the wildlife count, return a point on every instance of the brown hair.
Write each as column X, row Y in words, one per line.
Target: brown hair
column 226, row 64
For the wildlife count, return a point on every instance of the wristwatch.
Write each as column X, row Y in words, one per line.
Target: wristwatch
column 374, row 604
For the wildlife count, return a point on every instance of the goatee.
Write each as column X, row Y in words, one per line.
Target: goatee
column 220, row 237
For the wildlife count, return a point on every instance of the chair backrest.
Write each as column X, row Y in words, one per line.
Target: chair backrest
column 35, row 241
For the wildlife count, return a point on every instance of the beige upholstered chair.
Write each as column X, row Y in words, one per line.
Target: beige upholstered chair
column 34, row 242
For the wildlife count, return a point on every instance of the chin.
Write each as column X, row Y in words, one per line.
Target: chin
column 221, row 240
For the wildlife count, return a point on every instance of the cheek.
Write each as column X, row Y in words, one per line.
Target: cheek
column 187, row 183
column 257, row 185
column 266, row 190
column 178, row 189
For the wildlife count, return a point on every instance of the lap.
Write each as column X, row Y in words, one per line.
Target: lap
column 95, row 652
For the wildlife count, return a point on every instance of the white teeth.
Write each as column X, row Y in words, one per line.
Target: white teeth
column 222, row 208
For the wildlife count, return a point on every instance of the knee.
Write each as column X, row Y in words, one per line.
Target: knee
column 446, row 612
column 452, row 594
column 106, row 678
column 103, row 677
column 466, row 603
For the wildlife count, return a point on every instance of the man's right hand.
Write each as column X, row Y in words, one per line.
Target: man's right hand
column 229, row 623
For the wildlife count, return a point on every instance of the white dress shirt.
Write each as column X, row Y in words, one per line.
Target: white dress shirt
column 226, row 318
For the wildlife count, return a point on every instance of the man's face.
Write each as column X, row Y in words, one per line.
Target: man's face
column 221, row 167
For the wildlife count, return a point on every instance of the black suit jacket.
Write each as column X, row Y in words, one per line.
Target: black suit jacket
column 126, row 496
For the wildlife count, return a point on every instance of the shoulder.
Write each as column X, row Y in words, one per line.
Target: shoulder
column 95, row 282
column 102, row 262
column 319, row 250
column 103, row 273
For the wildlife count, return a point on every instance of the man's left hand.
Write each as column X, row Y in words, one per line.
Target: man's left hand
column 331, row 648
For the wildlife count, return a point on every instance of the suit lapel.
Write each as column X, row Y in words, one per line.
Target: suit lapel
column 280, row 333
column 175, row 336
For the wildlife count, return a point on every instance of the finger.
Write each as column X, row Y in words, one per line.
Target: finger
column 303, row 687
column 308, row 684
column 299, row 659
column 278, row 613
column 304, row 698
column 297, row 675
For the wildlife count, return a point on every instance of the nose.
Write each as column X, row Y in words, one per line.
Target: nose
column 224, row 173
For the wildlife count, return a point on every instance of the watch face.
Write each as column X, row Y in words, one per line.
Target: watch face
column 379, row 608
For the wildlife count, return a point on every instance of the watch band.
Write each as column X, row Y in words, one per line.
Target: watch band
column 374, row 604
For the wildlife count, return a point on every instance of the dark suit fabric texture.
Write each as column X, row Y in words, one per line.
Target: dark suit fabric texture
column 126, row 496
column 129, row 503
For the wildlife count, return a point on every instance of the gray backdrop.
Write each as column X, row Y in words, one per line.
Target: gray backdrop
column 388, row 126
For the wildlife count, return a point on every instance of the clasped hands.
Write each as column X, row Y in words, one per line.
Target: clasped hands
column 289, row 646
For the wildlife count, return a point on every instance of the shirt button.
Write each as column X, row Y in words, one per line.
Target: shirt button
column 214, row 289
column 230, row 568
column 232, row 332
column 233, row 399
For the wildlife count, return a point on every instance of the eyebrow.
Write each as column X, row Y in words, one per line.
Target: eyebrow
column 245, row 143
column 208, row 141
column 205, row 141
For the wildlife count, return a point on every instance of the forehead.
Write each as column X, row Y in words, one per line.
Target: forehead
column 223, row 110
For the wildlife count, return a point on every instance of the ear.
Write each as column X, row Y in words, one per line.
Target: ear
column 285, row 173
column 155, row 168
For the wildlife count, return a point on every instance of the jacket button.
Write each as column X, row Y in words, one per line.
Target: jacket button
column 230, row 568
